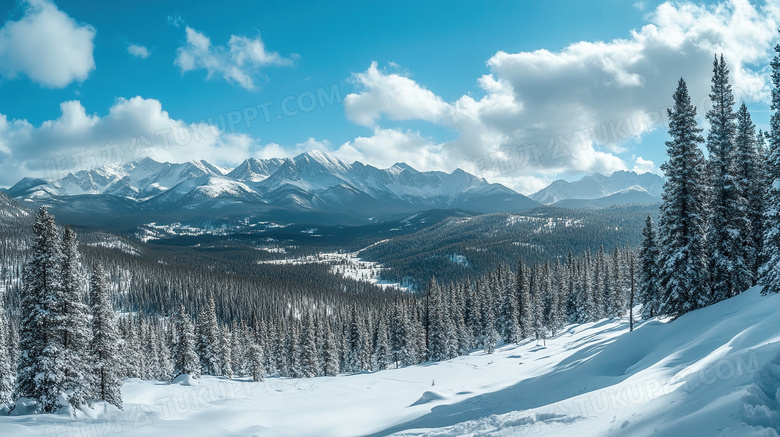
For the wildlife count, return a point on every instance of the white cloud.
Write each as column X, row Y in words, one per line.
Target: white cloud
column 642, row 165
column 138, row 51
column 389, row 146
column 133, row 128
column 239, row 62
column 274, row 150
column 544, row 113
column 46, row 45
column 393, row 95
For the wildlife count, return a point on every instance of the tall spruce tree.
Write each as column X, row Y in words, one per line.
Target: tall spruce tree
column 208, row 339
column 307, row 353
column 770, row 270
column 330, row 354
column 186, row 361
column 7, row 370
column 40, row 374
column 105, row 341
column 255, row 362
column 728, row 224
column 683, row 215
column 73, row 322
column 751, row 184
column 649, row 291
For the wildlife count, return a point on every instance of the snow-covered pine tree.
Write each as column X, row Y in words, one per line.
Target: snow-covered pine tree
column 7, row 371
column 279, row 351
column 208, row 339
column 590, row 310
column 186, row 361
column 307, row 349
column 39, row 370
column 226, row 352
column 508, row 315
column 728, row 224
column 751, row 182
column 382, row 354
column 330, row 353
column 73, row 323
column 293, row 351
column 649, row 291
column 438, row 324
column 537, row 306
column 398, row 336
column 104, row 342
column 523, row 301
column 131, row 348
column 683, row 215
column 599, row 285
column 769, row 273
column 255, row 364
column 619, row 283
column 355, row 343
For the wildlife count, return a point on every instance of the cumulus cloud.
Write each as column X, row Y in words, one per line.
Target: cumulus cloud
column 239, row 62
column 642, row 165
column 138, row 51
column 579, row 109
column 392, row 95
column 274, row 150
column 389, row 146
column 47, row 46
column 133, row 129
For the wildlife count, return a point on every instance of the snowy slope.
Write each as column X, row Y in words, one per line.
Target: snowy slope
column 692, row 377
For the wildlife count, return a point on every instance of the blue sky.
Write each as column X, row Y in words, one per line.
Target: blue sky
column 517, row 92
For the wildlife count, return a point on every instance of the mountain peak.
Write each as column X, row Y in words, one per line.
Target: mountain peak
column 596, row 186
column 326, row 160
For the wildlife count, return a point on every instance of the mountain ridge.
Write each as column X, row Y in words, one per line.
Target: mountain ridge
column 312, row 182
column 598, row 186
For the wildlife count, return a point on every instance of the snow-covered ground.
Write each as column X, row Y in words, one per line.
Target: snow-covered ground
column 692, row 377
column 348, row 265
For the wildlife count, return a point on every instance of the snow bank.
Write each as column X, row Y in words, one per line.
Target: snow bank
column 709, row 373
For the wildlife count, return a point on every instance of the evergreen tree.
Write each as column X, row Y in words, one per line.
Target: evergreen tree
column 523, row 301
column 185, row 359
column 769, row 273
column 382, row 354
column 729, row 225
column 7, row 371
column 293, row 352
column 226, row 352
column 255, row 364
column 309, row 361
column 649, row 292
column 208, row 341
column 682, row 223
column 73, row 322
column 40, row 374
column 508, row 316
column 330, row 354
column 105, row 341
column 355, row 343
column 751, row 183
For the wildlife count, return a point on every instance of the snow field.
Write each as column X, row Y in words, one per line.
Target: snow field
column 707, row 373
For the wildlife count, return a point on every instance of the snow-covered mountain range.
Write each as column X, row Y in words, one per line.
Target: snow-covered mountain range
column 620, row 188
column 313, row 183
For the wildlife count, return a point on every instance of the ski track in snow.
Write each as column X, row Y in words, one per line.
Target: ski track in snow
column 690, row 377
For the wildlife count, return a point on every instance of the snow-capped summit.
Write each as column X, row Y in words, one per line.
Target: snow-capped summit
column 598, row 186
column 310, row 182
column 255, row 170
